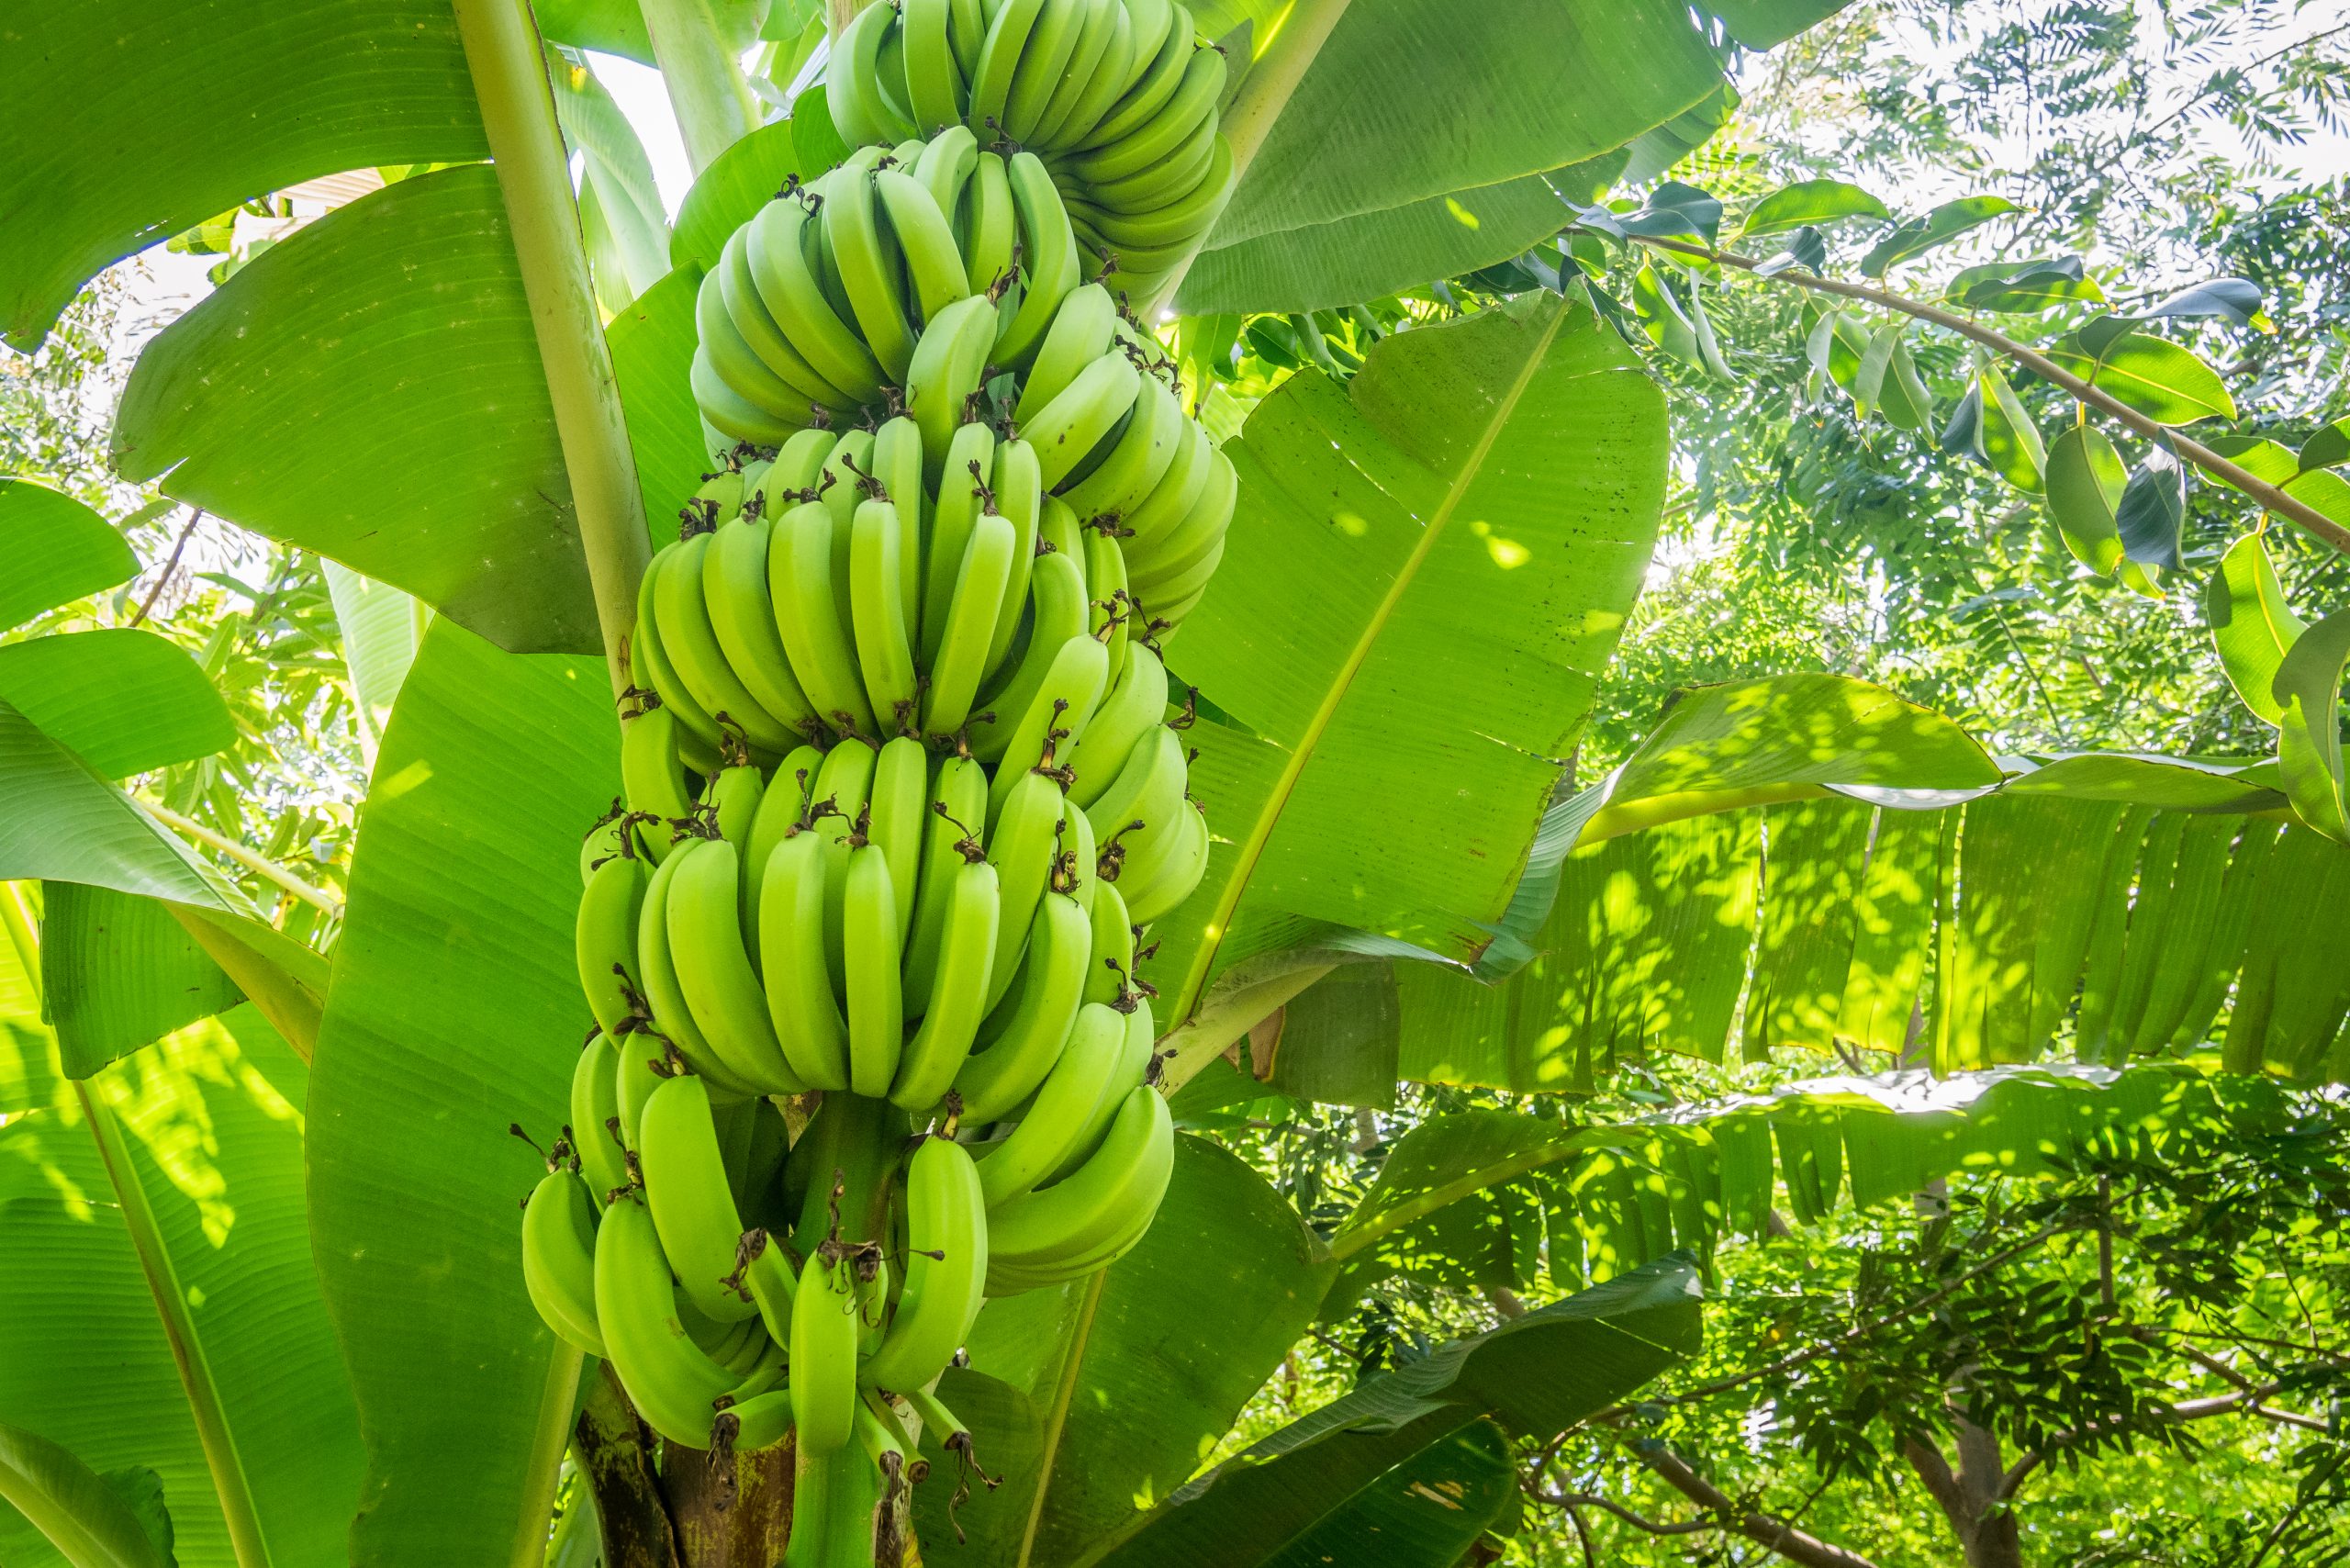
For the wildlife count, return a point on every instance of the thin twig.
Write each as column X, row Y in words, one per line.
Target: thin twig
column 252, row 860
column 2299, row 513
column 170, row 565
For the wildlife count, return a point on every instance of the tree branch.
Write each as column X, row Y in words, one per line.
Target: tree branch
column 1797, row 1545
column 2299, row 513
column 170, row 565
column 616, row 1462
column 2246, row 1401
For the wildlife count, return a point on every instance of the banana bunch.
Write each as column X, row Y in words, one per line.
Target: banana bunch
column 932, row 271
column 1120, row 98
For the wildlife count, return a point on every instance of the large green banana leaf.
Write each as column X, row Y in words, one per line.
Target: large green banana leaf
column 1415, row 141
column 1427, row 568
column 131, row 120
column 1410, row 1467
column 455, row 1011
column 116, row 1520
column 59, row 551
column 194, row 1217
column 1100, row 1398
column 370, row 389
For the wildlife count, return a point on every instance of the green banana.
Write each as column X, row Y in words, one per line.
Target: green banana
column 1101, row 1201
column 1079, row 334
column 899, row 806
column 933, row 79
column 869, row 273
column 949, row 361
column 1179, row 586
column 1051, row 43
column 747, row 313
column 792, row 477
column 808, row 616
column 672, row 1014
column 845, row 783
column 637, row 1071
column 966, row 30
column 650, row 776
column 933, row 263
column 604, row 937
column 945, row 1273
column 732, row 360
column 1076, row 1083
column 1057, row 618
column 1136, row 703
column 1181, row 172
column 781, row 809
column 730, row 799
column 992, row 78
column 605, row 839
column 969, row 628
column 697, row 735
column 1103, row 24
column 990, row 225
column 1019, row 495
column 825, row 1325
column 1166, row 231
column 944, row 167
column 958, row 990
column 1156, row 883
column 684, row 1188
column 777, row 250
column 1157, row 83
column 671, row 1380
column 1172, row 498
column 1174, row 551
column 594, row 1114
column 1147, row 791
column 1066, row 429
column 692, row 647
column 1130, row 46
column 1021, row 847
column 742, row 616
column 958, row 804
column 1049, row 246
column 730, row 414
column 850, row 82
column 1112, row 973
column 1109, row 609
column 1136, row 1044
column 877, row 612
column 808, row 1021
column 876, row 1005
column 1151, row 143
column 1056, row 714
column 898, row 469
column 559, row 1258
column 766, row 1271
column 1137, row 462
column 1078, row 866
column 1007, row 1068
column 714, row 968
column 962, row 491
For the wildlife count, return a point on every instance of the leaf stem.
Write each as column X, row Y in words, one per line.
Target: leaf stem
column 258, row 864
column 2300, row 513
column 509, row 75
column 1263, row 93
column 1057, row 1421
column 707, row 90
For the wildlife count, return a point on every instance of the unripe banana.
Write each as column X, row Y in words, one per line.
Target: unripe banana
column 844, row 487
column 1127, row 1178
column 1080, row 335
column 1057, row 713
column 1103, row 23
column 962, row 492
column 742, row 616
column 1065, row 1102
column 858, row 107
column 605, row 939
column 1135, row 705
column 1068, row 428
column 825, row 1326
column 736, row 366
column 671, row 1380
column 959, row 995
column 958, row 804
column 876, row 1014
column 1172, row 498
column 808, row 616
column 899, row 805
column 1178, row 593
column 730, row 799
column 976, row 604
column 1138, row 460
column 729, row 412
column 559, row 1258
column 1161, row 138
column 1058, row 617
column 933, row 78
column 604, row 840
column 1155, row 565
column 1078, row 868
column 778, row 249
column 1050, row 44
column 672, row 1014
column 595, row 1114
column 685, row 1188
column 946, row 1268
column 934, row 264
column 1021, row 848
column 1103, row 83
column 949, row 364
column 1157, row 81
column 992, row 78
column 845, row 783
column 781, row 809
column 768, row 1273
column 713, row 970
column 869, row 273
column 807, row 1018
column 692, row 649
column 1019, row 495
column 797, row 467
column 1135, row 1045
column 1155, row 885
column 944, row 167
column 748, row 314
column 1148, row 790
column 990, row 228
column 876, row 605
column 1009, row 1065
column 1059, row 529
column 1049, row 247
column 1112, row 971
column 649, row 773
column 641, row 1061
